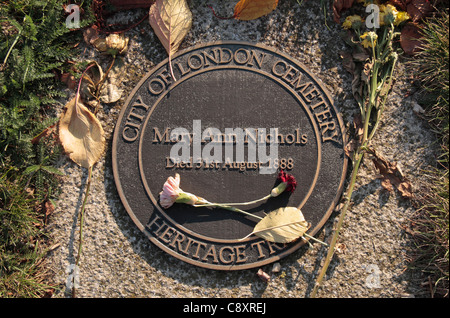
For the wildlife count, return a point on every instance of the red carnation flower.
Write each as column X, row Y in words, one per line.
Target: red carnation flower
column 289, row 179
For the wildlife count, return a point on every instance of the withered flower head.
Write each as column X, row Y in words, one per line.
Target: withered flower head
column 116, row 44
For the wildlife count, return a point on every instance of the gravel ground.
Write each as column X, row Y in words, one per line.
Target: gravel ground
column 119, row 261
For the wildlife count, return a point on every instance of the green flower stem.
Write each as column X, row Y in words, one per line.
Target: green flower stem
column 360, row 155
column 381, row 108
column 314, row 239
column 274, row 193
column 373, row 95
column 226, row 207
column 374, row 91
column 232, row 204
column 11, row 48
column 80, row 245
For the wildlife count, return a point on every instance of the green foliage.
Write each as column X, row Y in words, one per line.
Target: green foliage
column 433, row 65
column 34, row 49
column 432, row 221
column 19, row 239
column 35, row 45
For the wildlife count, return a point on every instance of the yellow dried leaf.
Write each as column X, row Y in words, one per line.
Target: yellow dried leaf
column 283, row 225
column 253, row 9
column 81, row 134
column 171, row 20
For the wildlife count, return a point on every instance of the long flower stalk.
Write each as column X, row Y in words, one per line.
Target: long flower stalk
column 80, row 244
column 382, row 55
column 339, row 224
column 234, row 204
column 205, row 204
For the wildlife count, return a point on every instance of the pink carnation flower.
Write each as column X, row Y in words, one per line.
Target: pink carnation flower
column 171, row 191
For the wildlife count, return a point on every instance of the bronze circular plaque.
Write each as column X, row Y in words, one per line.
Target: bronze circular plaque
column 226, row 117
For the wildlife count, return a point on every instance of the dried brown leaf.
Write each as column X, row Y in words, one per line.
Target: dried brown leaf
column 366, row 71
column 360, row 56
column 81, row 134
column 352, row 63
column 410, row 38
column 253, row 9
column 91, row 34
column 91, row 80
column 353, row 144
column 391, row 175
column 347, row 62
column 400, row 4
column 340, row 5
column 418, row 9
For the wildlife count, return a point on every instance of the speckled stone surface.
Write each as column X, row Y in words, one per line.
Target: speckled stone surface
column 119, row 261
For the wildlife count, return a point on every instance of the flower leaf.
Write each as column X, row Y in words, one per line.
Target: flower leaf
column 81, row 134
column 283, row 225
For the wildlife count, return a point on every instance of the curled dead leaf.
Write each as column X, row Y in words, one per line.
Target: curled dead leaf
column 367, row 71
column 361, row 56
column 356, row 63
column 91, row 79
column 91, row 34
column 391, row 175
column 253, row 9
column 81, row 134
column 116, row 44
column 354, row 143
column 340, row 248
column 347, row 62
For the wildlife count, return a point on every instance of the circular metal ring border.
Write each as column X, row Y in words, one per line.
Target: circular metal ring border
column 232, row 266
